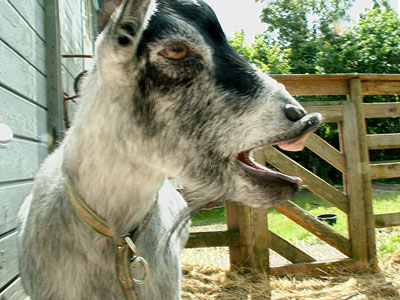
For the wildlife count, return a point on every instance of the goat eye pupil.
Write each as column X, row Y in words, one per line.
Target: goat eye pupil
column 175, row 52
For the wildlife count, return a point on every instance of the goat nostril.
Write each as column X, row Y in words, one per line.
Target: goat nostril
column 123, row 40
column 293, row 112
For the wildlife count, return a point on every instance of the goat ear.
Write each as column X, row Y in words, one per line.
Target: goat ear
column 130, row 19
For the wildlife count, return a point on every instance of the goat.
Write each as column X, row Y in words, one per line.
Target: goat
column 167, row 96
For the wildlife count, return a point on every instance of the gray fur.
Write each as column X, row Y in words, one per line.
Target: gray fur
column 144, row 117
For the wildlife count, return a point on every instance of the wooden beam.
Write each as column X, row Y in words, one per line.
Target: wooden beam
column 12, row 196
column 213, row 239
column 235, row 256
column 339, row 76
column 246, row 236
column 9, row 258
column 321, row 86
column 380, row 87
column 312, row 182
column 381, row 110
column 316, row 227
column 354, row 180
column 259, row 221
column 357, row 98
column 327, row 152
column 55, row 103
column 287, row 250
column 387, row 220
column 14, row 291
column 320, row 103
column 330, row 113
column 319, row 267
column 383, row 141
column 337, row 84
column 385, row 170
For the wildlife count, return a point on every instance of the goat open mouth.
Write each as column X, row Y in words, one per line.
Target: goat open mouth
column 247, row 162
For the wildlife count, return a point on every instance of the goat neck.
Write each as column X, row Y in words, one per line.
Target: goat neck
column 118, row 183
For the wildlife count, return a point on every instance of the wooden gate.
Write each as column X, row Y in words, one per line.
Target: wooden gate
column 248, row 236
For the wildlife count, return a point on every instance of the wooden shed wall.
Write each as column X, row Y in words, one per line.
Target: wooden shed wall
column 77, row 20
column 25, row 107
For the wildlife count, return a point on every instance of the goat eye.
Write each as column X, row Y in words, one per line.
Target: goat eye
column 175, row 52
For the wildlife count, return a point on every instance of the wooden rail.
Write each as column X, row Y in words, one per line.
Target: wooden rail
column 248, row 237
column 388, row 219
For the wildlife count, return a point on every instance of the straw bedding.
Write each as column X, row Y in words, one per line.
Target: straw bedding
column 211, row 282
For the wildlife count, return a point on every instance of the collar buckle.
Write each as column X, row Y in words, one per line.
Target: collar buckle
column 137, row 261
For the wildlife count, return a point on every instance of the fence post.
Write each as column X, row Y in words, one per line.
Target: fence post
column 259, row 218
column 356, row 95
column 355, row 166
column 246, row 236
column 235, row 256
column 252, row 224
column 238, row 218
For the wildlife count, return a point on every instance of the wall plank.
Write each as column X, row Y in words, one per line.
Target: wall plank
column 8, row 259
column 41, row 3
column 21, row 37
column 32, row 12
column 11, row 198
column 17, row 74
column 71, row 26
column 23, row 117
column 21, row 160
column 14, row 292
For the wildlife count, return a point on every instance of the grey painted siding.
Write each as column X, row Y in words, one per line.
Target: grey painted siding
column 76, row 17
column 24, row 106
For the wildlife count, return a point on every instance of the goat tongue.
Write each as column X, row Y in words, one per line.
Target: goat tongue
column 296, row 145
column 251, row 167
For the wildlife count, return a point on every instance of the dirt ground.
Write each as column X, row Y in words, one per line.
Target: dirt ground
column 212, row 282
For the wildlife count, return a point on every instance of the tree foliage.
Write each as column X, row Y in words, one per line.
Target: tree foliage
column 301, row 25
column 265, row 55
column 306, row 36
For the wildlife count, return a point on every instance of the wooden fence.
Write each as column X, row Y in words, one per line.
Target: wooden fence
column 248, row 236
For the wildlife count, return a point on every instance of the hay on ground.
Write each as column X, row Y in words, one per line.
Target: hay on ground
column 214, row 282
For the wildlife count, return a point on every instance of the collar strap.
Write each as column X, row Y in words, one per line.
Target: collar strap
column 126, row 248
column 86, row 214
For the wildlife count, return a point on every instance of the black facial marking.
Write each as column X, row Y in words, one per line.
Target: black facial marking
column 235, row 74
column 144, row 115
column 232, row 72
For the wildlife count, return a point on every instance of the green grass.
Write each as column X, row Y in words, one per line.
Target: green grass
column 210, row 217
column 388, row 239
column 292, row 232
